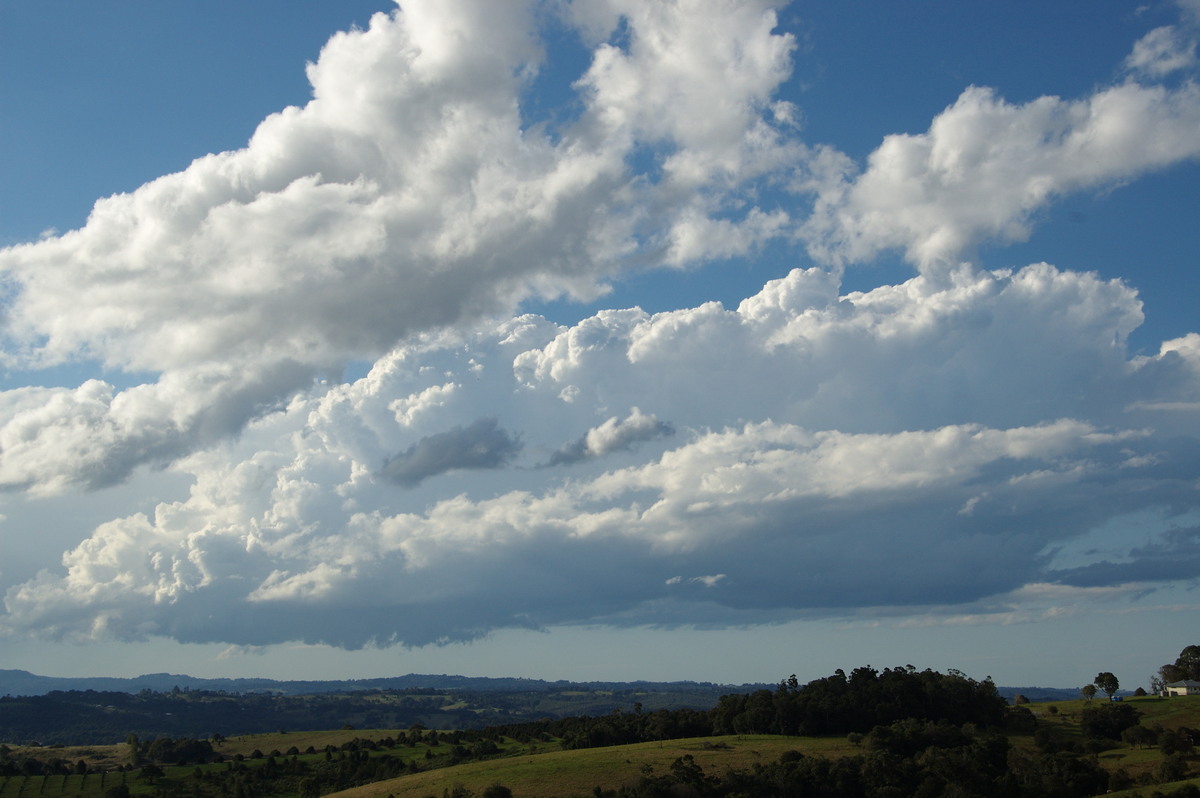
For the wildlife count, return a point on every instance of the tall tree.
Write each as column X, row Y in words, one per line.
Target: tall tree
column 1188, row 663
column 1186, row 666
column 1107, row 682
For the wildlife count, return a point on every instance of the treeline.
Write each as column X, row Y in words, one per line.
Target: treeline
column 837, row 704
column 90, row 717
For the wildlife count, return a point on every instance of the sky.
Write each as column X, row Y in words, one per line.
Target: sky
column 604, row 340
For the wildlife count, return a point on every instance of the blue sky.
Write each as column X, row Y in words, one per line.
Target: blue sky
column 602, row 340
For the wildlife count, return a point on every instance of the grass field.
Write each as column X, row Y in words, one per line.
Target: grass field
column 1169, row 713
column 566, row 773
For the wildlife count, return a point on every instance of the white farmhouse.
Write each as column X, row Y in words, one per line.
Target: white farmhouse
column 1185, row 687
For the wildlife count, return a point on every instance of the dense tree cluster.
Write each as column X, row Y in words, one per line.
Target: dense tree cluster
column 860, row 701
column 1108, row 721
column 1185, row 666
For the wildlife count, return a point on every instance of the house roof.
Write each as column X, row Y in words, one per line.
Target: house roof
column 1185, row 683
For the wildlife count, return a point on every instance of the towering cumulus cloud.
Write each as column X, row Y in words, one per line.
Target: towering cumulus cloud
column 934, row 446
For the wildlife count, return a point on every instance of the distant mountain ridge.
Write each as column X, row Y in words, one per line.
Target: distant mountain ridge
column 24, row 683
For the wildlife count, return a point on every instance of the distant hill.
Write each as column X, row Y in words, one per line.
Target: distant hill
column 18, row 682
column 99, row 711
column 1046, row 693
column 24, row 683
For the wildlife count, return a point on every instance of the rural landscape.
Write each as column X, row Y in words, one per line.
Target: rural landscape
column 599, row 398
column 868, row 733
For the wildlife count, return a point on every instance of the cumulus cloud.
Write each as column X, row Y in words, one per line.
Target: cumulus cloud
column 985, row 166
column 613, row 435
column 922, row 445
column 1162, row 51
column 412, row 192
column 844, row 487
column 94, row 436
column 479, row 446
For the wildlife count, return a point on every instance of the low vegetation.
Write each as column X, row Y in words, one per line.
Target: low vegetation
column 869, row 734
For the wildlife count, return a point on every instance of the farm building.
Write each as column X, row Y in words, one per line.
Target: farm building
column 1185, row 687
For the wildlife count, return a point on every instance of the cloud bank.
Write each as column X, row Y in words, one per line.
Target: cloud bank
column 928, row 445
column 920, row 446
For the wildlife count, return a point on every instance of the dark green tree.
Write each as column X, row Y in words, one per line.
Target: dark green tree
column 1188, row 663
column 151, row 773
column 1107, row 682
column 1137, row 736
column 1107, row 721
column 1186, row 666
column 1088, row 691
column 1173, row 768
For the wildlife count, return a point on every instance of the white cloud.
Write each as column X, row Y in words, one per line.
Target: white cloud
column 1162, row 51
column 918, row 445
column 985, row 166
column 409, row 195
column 843, row 486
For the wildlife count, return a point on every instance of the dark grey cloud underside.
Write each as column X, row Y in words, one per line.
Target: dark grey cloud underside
column 577, row 451
column 480, row 446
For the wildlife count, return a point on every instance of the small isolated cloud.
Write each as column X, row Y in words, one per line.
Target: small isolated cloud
column 614, row 435
column 710, row 580
column 482, row 445
column 1162, row 51
column 236, row 652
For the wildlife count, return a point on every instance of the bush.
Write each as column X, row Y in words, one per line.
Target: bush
column 497, row 791
column 1020, row 720
column 1173, row 768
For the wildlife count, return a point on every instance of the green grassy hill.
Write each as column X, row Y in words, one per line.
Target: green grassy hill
column 566, row 773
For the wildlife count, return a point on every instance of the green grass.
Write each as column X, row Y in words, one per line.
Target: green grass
column 1169, row 713
column 248, row 743
column 93, row 785
column 1145, row 792
column 565, row 773
column 90, row 785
